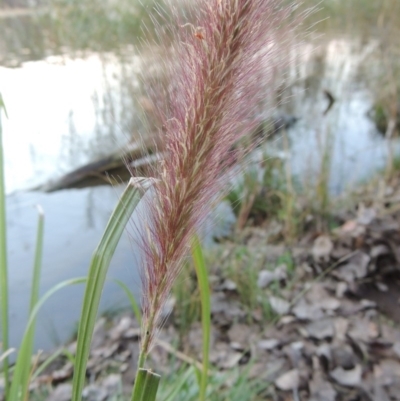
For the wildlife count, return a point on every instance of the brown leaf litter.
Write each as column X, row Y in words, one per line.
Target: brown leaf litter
column 327, row 338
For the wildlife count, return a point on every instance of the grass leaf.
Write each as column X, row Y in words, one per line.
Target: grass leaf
column 134, row 305
column 205, row 296
column 97, row 274
column 34, row 299
column 23, row 354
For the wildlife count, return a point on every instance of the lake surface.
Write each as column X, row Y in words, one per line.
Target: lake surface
column 74, row 223
column 58, row 114
column 65, row 112
column 356, row 148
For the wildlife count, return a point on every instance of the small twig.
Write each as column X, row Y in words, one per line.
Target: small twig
column 180, row 355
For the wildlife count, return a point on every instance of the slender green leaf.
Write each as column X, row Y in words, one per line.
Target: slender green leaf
column 17, row 385
column 97, row 275
column 151, row 386
column 34, row 299
column 178, row 384
column 47, row 362
column 205, row 297
column 134, row 305
column 138, row 387
column 146, row 385
column 3, row 259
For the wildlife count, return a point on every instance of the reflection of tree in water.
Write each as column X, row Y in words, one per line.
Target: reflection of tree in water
column 72, row 145
column 115, row 106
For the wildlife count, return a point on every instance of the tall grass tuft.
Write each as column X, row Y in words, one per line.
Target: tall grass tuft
column 221, row 62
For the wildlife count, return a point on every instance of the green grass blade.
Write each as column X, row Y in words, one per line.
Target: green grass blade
column 38, row 260
column 3, row 261
column 138, row 388
column 23, row 354
column 205, row 297
column 151, row 386
column 146, row 385
column 134, row 305
column 62, row 351
column 97, row 275
column 34, row 299
column 178, row 384
column 47, row 363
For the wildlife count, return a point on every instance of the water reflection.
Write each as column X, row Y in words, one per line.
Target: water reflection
column 63, row 113
column 356, row 148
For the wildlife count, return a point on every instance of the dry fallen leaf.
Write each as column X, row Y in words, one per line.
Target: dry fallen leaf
column 362, row 330
column 268, row 344
column 266, row 277
column 322, row 390
column 288, row 381
column 240, row 334
column 341, row 326
column 231, row 360
column 365, row 215
column 350, row 378
column 347, row 228
column 321, row 329
column 379, row 393
column 322, row 248
column 344, row 357
column 279, row 305
column 63, row 392
column 93, row 392
column 306, row 311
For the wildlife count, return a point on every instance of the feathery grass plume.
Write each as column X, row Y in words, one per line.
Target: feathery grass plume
column 215, row 88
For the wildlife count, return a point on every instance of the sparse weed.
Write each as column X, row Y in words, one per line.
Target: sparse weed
column 243, row 267
column 240, row 389
column 187, row 297
column 268, row 192
column 287, row 260
column 258, row 193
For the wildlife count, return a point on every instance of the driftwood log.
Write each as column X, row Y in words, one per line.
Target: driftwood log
column 136, row 158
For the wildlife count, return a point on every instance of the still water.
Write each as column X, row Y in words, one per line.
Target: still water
column 356, row 148
column 74, row 222
column 57, row 121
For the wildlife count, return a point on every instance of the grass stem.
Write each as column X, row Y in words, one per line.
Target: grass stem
column 205, row 296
